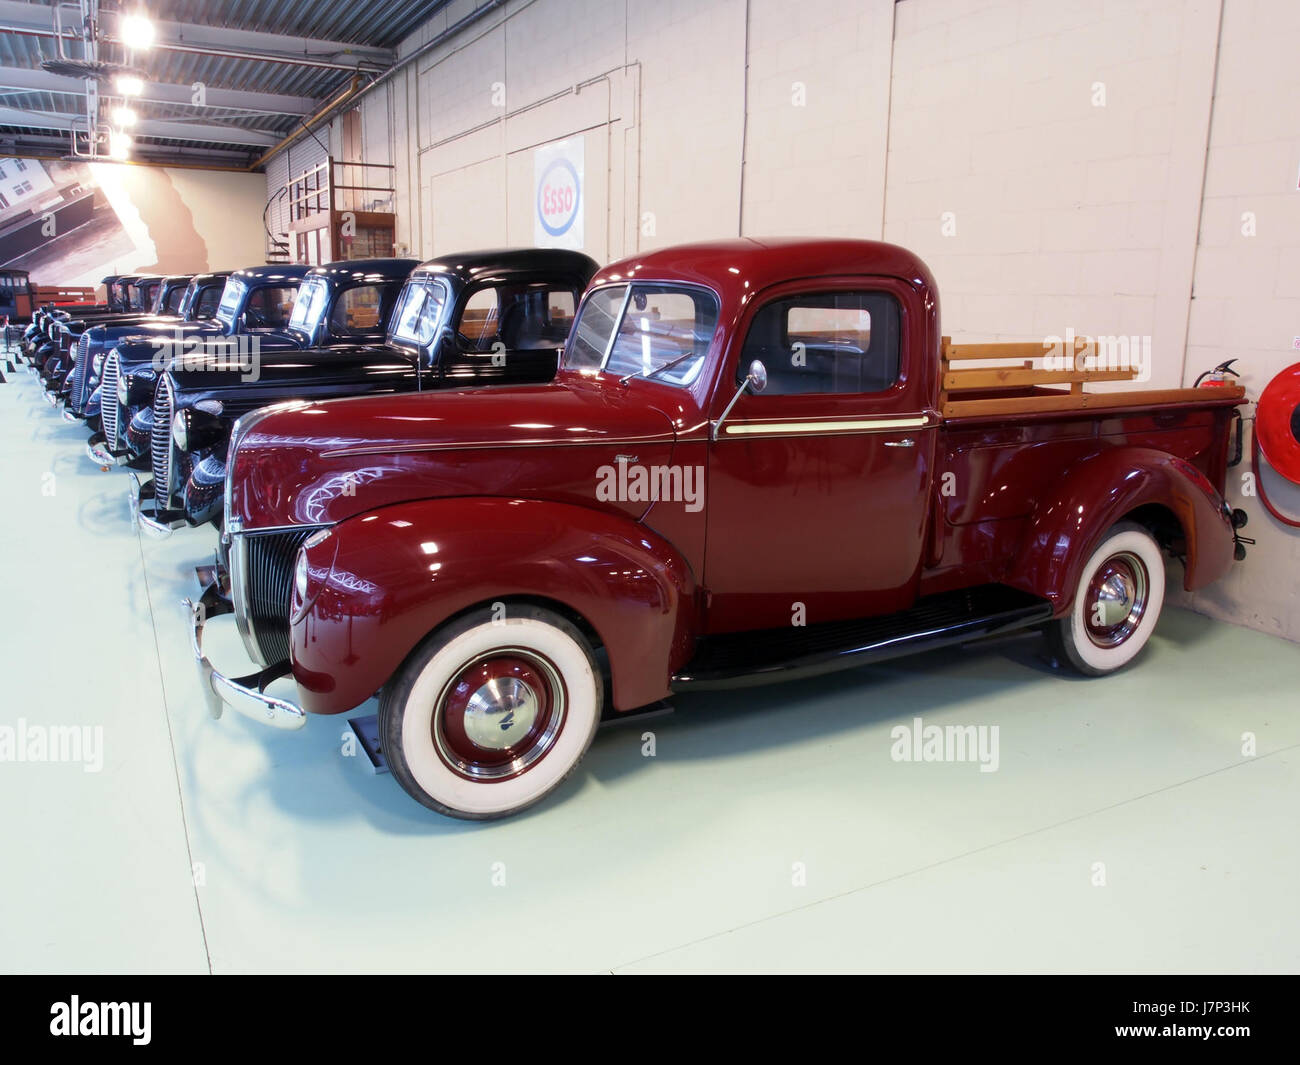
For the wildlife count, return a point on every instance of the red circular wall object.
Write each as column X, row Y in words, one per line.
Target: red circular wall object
column 1277, row 423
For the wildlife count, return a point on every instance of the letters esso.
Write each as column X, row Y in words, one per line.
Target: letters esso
column 558, row 197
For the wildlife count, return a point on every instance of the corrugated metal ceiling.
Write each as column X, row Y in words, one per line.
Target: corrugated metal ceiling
column 372, row 23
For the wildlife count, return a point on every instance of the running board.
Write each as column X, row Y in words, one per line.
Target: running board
column 744, row 659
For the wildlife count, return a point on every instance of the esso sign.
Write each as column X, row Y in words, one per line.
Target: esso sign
column 558, row 197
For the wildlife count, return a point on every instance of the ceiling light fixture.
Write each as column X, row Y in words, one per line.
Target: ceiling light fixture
column 136, row 32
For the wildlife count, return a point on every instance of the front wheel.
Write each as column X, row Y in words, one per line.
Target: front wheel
column 491, row 713
column 1116, row 603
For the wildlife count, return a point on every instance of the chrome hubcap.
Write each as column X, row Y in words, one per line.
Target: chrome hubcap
column 499, row 715
column 1116, row 599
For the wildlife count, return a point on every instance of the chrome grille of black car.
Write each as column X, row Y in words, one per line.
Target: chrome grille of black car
column 80, row 373
column 160, row 443
column 269, row 586
column 108, row 401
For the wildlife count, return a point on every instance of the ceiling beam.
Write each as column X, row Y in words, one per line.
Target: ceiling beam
column 146, row 127
column 55, row 146
column 263, row 103
column 208, row 40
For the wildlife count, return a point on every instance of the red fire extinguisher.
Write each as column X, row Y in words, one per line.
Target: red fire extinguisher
column 1218, row 377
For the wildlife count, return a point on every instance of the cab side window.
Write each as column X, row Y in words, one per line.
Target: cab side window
column 356, row 310
column 271, row 306
column 518, row 317
column 825, row 343
column 209, row 298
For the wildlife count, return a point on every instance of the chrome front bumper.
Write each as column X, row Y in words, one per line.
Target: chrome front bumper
column 159, row 524
column 98, row 452
column 244, row 695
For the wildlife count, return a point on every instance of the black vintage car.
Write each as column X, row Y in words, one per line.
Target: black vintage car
column 487, row 317
column 62, row 329
column 255, row 302
column 76, row 389
column 181, row 300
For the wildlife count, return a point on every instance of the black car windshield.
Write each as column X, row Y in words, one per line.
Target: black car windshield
column 309, row 305
column 639, row 330
column 231, row 299
column 419, row 312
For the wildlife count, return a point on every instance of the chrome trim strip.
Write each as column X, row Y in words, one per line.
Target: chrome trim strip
column 854, row 425
column 486, row 445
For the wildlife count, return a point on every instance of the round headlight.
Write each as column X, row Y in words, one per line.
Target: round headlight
column 123, row 392
column 97, row 363
column 300, row 575
column 180, row 437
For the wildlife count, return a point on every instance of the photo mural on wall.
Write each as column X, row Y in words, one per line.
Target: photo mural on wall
column 69, row 223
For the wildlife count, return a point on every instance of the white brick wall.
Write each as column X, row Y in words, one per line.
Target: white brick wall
column 1067, row 214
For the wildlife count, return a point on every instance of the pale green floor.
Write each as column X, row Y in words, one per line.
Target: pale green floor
column 678, row 863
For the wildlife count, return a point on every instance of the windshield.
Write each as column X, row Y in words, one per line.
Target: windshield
column 418, row 313
column 231, row 298
column 639, row 330
column 309, row 306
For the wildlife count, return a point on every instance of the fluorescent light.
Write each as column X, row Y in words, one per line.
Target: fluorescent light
column 135, row 31
column 124, row 116
column 119, row 145
column 129, row 85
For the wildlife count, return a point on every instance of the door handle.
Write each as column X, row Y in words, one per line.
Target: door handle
column 907, row 441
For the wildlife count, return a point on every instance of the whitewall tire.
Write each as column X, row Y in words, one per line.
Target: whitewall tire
column 489, row 715
column 1116, row 602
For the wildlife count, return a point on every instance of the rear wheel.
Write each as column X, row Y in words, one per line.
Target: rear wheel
column 1116, row 603
column 489, row 715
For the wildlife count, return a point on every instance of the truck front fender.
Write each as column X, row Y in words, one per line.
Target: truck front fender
column 387, row 578
column 1100, row 490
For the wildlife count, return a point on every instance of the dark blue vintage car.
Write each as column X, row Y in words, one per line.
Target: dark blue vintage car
column 256, row 302
column 192, row 303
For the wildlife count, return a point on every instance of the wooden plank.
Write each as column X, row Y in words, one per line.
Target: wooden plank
column 1062, row 401
column 1028, row 349
column 1011, row 377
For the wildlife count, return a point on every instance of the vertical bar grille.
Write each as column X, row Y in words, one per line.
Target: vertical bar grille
column 80, row 373
column 108, row 401
column 269, row 586
column 161, row 443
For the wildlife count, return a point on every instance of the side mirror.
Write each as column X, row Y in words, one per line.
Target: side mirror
column 755, row 381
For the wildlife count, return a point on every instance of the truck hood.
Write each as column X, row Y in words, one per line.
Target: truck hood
column 316, row 464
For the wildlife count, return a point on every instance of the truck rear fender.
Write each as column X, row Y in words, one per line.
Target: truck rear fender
column 1152, row 487
column 385, row 580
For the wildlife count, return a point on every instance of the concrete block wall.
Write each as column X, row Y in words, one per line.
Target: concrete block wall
column 1083, row 164
column 1246, row 300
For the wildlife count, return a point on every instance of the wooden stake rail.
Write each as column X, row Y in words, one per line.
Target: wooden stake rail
column 970, row 390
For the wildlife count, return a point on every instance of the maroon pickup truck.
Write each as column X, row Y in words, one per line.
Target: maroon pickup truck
column 760, row 460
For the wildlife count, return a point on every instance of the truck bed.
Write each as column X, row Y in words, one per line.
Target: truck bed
column 971, row 390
